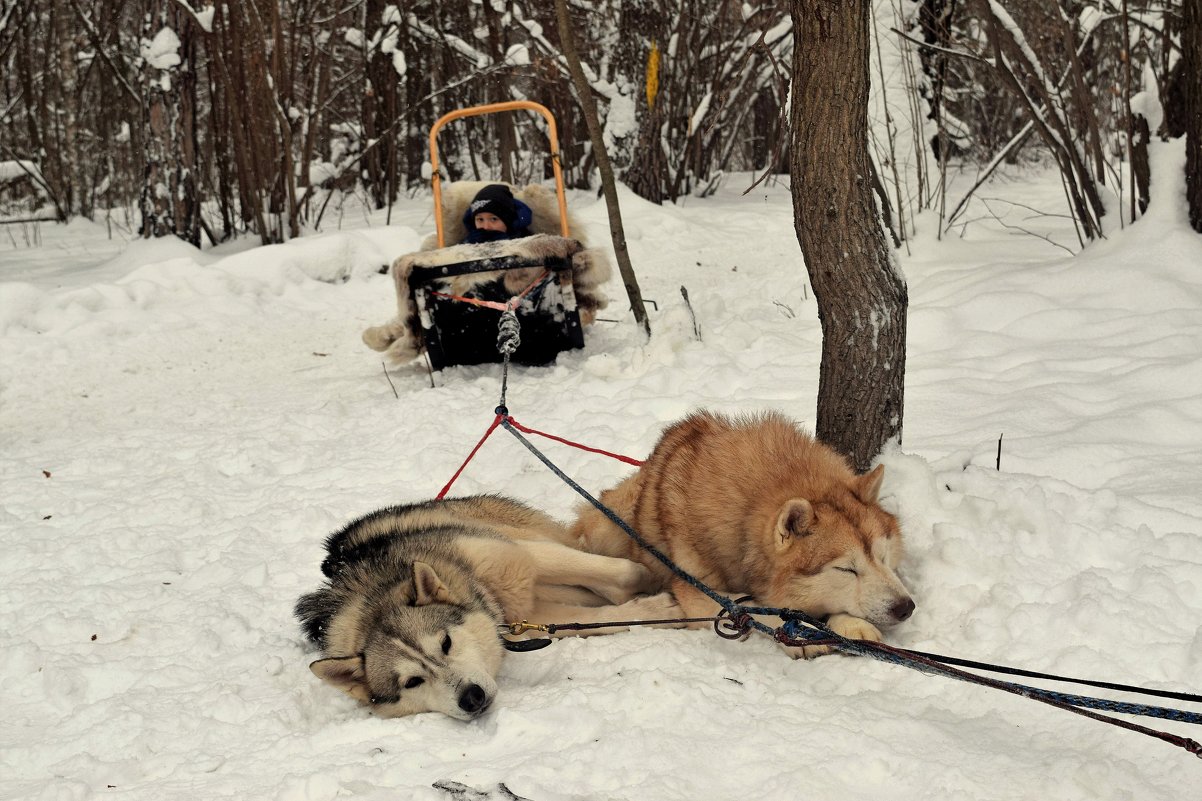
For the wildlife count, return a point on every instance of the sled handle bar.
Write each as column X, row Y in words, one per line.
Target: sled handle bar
column 492, row 108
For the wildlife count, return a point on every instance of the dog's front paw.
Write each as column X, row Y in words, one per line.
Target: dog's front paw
column 853, row 628
column 662, row 606
column 849, row 626
column 629, row 580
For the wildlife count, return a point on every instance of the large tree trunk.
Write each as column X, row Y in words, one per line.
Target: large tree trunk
column 169, row 202
column 506, row 152
column 379, row 110
column 76, row 195
column 1191, row 45
column 859, row 288
column 645, row 27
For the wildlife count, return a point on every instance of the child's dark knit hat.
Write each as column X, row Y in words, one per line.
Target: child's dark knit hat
column 495, row 199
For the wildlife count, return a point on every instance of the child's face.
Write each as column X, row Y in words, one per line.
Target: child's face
column 489, row 222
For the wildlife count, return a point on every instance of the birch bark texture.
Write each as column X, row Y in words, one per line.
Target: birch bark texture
column 861, row 294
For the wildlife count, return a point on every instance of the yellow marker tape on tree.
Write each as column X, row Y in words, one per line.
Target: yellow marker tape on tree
column 652, row 75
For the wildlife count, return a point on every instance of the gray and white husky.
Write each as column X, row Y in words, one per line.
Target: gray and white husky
column 408, row 618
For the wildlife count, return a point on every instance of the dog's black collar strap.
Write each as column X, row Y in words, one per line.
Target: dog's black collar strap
column 522, row 646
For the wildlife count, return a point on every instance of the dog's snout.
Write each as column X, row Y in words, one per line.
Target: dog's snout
column 902, row 609
column 473, row 700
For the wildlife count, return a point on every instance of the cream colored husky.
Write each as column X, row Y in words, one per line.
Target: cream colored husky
column 408, row 619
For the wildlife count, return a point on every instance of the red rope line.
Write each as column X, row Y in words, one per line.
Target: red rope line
column 492, row 304
column 471, row 455
column 618, row 456
column 504, row 415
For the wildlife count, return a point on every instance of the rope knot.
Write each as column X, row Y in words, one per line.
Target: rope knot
column 509, row 333
column 733, row 624
column 794, row 634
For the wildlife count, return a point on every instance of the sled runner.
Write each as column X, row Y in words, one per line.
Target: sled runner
column 450, row 295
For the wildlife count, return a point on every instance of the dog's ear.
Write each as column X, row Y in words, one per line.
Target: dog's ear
column 794, row 521
column 344, row 672
column 427, row 586
column 868, row 486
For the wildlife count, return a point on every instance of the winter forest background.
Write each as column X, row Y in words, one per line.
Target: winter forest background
column 182, row 426
column 260, row 117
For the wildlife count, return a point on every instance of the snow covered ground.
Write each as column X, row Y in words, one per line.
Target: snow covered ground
column 180, row 431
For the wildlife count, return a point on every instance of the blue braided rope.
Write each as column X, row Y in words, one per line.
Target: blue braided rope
column 793, row 630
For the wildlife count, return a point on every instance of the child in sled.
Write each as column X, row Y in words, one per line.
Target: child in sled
column 490, row 220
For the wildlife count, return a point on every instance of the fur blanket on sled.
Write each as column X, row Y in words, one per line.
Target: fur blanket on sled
column 400, row 338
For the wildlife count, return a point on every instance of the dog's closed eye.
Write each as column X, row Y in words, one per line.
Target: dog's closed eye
column 446, row 643
column 416, row 681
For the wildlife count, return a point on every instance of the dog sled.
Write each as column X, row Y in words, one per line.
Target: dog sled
column 451, row 294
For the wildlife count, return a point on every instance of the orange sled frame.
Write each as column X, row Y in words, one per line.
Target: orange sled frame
column 459, row 332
